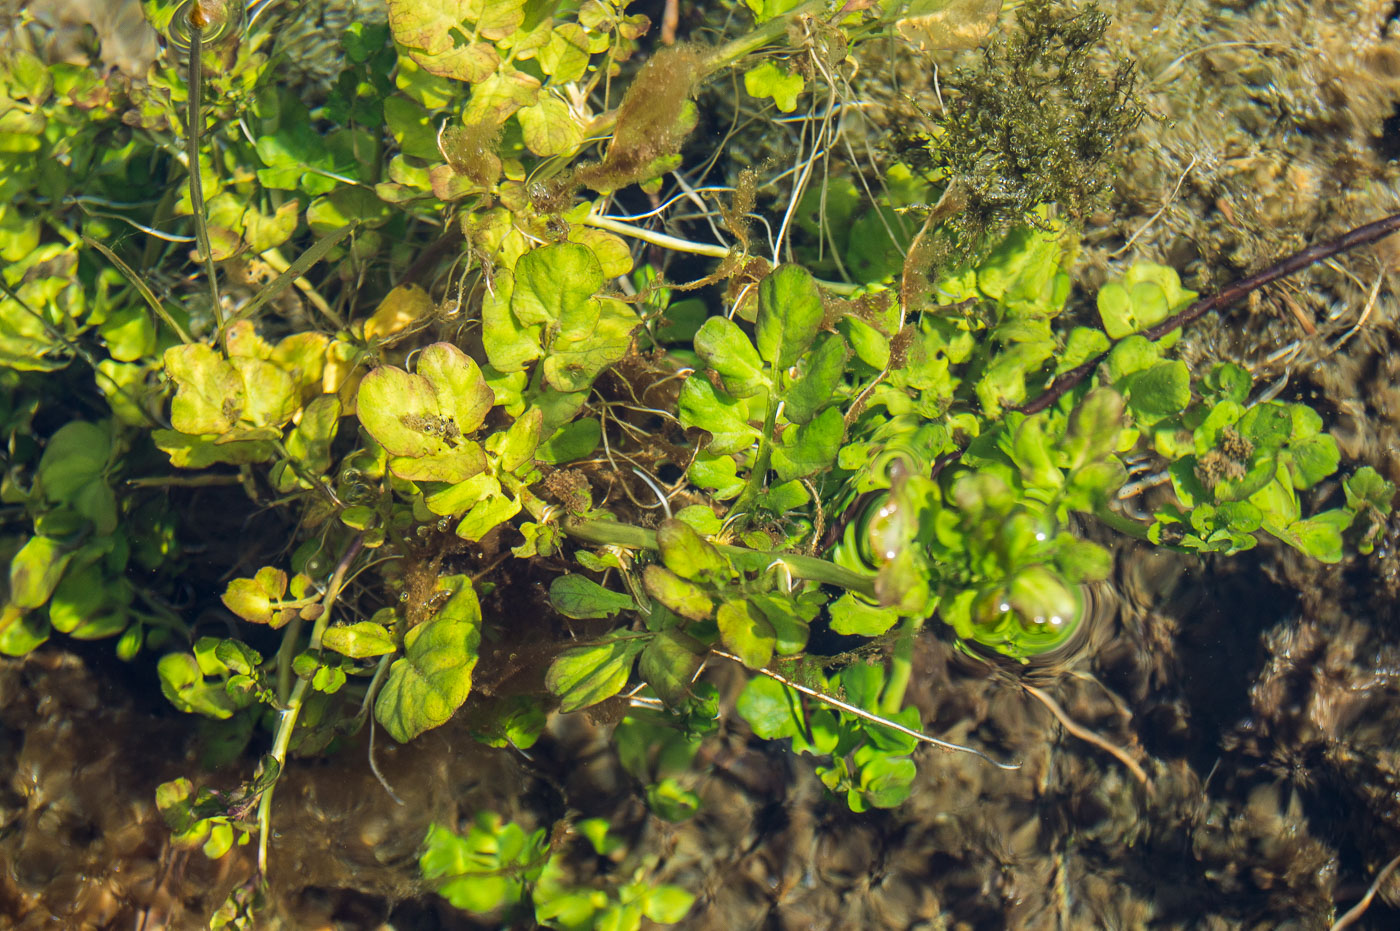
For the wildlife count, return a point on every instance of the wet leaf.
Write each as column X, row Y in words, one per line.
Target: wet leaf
column 591, row 337
column 579, row 597
column 554, row 279
column 728, row 353
column 725, row 418
column 768, row 80
column 810, row 447
column 669, row 663
column 209, row 394
column 746, row 632
column 35, row 571
column 685, row 598
column 769, row 708
column 789, row 315
column 358, row 640
column 185, row 687
column 685, row 553
column 816, row 389
column 434, row 676
column 549, row 128
column 585, row 676
column 74, row 458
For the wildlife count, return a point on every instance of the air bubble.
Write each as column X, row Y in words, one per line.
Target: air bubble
column 217, row 20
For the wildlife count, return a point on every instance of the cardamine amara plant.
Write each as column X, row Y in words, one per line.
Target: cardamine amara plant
column 357, row 368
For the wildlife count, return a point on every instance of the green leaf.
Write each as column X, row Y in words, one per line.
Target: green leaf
column 516, row 446
column 579, row 597
column 885, row 782
column 486, row 516
column 856, row 616
column 35, row 571
column 509, row 344
column 769, row 708
column 1160, row 391
column 78, row 596
column 789, row 315
column 454, row 39
column 554, row 279
column 186, row 688
column 549, row 127
column 1366, row 487
column 209, row 396
column 1083, row 344
column 686, row 554
column 585, row 676
column 669, row 663
column 1093, row 427
column 1313, row 459
column 270, row 394
column 811, row 447
column 789, row 618
column 255, row 599
column 1319, row 537
column 434, row 676
column 871, row 346
column 1131, row 355
column 746, row 632
column 591, row 336
column 358, row 640
column 816, row 389
column 671, row 801
column 685, row 598
column 717, row 473
column 768, row 80
column 728, row 352
column 571, row 441
column 667, row 904
column 74, row 458
column 421, row 420
column 565, row 55
column 725, row 418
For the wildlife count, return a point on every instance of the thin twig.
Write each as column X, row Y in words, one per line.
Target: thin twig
column 1088, row 736
column 1359, row 909
column 867, row 715
column 1365, row 313
column 1153, row 219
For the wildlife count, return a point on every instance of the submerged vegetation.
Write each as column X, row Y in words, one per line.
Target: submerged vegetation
column 362, row 406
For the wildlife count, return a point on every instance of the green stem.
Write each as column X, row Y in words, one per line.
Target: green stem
column 736, row 49
column 758, row 474
column 201, row 227
column 810, row 568
column 1124, row 525
column 287, row 719
column 901, row 668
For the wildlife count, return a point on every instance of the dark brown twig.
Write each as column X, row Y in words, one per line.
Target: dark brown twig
column 1361, row 236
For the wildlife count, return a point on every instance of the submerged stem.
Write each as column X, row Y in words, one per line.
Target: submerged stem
column 810, row 568
column 194, row 123
column 287, row 719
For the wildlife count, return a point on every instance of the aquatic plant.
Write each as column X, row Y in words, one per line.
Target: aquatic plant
column 464, row 387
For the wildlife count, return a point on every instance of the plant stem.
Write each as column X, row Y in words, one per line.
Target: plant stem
column 194, row 121
column 901, row 668
column 673, row 243
column 612, row 533
column 732, row 51
column 287, row 719
column 758, row 474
